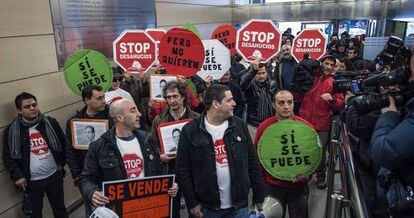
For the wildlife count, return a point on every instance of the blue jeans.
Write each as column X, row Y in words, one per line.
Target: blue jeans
column 226, row 213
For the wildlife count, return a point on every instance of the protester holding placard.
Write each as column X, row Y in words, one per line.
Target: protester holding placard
column 95, row 108
column 175, row 95
column 120, row 153
column 317, row 105
column 115, row 92
column 259, row 89
column 216, row 161
column 34, row 154
column 291, row 194
column 157, row 107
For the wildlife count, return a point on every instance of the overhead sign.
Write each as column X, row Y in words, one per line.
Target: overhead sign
column 216, row 61
column 181, row 52
column 288, row 148
column 147, row 197
column 258, row 39
column 226, row 34
column 310, row 41
column 86, row 67
column 134, row 51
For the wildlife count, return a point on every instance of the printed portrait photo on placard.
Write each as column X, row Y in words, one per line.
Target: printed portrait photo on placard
column 157, row 83
column 169, row 135
column 85, row 131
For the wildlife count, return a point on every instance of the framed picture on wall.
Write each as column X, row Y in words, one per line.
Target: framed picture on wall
column 157, row 83
column 169, row 135
column 85, row 131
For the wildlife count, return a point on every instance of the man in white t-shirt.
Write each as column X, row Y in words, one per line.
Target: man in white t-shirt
column 34, row 154
column 216, row 161
column 120, row 153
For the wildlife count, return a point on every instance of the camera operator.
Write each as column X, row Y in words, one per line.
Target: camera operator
column 391, row 148
column 360, row 131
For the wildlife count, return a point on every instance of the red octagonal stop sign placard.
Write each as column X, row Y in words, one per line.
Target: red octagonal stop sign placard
column 156, row 34
column 181, row 52
column 311, row 41
column 258, row 39
column 134, row 51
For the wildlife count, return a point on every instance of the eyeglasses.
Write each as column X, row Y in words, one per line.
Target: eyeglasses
column 117, row 79
column 168, row 97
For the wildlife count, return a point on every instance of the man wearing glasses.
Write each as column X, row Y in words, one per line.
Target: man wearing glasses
column 115, row 92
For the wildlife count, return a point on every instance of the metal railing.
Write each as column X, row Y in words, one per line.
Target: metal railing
column 348, row 201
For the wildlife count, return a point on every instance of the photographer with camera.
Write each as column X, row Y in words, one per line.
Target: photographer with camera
column 360, row 129
column 392, row 149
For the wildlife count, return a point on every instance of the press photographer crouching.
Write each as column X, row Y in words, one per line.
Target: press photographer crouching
column 384, row 108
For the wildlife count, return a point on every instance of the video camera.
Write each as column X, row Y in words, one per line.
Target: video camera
column 368, row 99
column 347, row 81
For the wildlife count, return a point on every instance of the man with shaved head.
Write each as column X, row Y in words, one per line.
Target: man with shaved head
column 291, row 194
column 120, row 153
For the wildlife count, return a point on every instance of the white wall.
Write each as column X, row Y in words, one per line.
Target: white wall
column 205, row 15
column 28, row 63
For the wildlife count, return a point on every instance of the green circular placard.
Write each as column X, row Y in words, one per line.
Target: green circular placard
column 289, row 147
column 86, row 67
column 192, row 28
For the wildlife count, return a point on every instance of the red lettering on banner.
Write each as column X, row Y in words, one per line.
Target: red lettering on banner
column 133, row 165
column 38, row 144
column 220, row 152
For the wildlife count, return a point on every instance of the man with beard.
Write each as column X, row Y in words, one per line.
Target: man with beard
column 285, row 69
column 317, row 106
column 175, row 95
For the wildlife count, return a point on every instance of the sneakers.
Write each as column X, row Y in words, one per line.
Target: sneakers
column 320, row 183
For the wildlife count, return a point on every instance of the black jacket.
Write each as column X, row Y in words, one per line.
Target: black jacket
column 238, row 97
column 76, row 157
column 236, row 71
column 196, row 165
column 361, row 129
column 252, row 90
column 278, row 73
column 104, row 162
column 20, row 168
